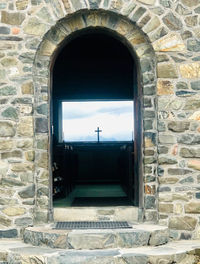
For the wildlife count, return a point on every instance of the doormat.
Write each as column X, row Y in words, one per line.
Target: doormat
column 91, row 225
column 101, row 201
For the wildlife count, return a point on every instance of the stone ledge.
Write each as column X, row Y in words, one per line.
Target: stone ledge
column 175, row 252
column 140, row 235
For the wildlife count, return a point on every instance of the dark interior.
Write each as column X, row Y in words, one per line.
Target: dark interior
column 93, row 66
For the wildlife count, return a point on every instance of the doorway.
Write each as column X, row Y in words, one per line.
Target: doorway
column 92, row 68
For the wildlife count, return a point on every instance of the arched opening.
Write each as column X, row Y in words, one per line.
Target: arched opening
column 94, row 73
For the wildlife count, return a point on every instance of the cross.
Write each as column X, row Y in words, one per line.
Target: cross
column 98, row 131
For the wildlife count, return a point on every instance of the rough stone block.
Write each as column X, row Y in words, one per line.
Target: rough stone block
column 183, row 223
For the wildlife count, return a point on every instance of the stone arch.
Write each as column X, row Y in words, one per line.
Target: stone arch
column 139, row 44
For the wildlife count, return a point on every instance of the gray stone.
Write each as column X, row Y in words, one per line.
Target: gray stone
column 182, row 223
column 196, row 58
column 190, row 153
column 149, row 202
column 149, row 90
column 23, row 221
column 162, row 58
column 9, row 233
column 160, row 171
column 182, row 10
column 27, row 57
column 133, row 239
column 186, row 34
column 10, row 112
column 27, row 192
column 149, row 114
column 161, row 126
column 193, row 45
column 8, row 90
column 195, row 85
column 165, row 3
column 138, row 13
column 42, row 109
column 94, row 3
column 159, row 237
column 166, row 160
column 178, row 171
column 146, row 65
column 190, row 3
column 12, row 154
column 167, row 139
column 163, row 149
column 7, row 129
column 191, row 21
column 12, row 18
column 77, row 4
column 187, row 180
column 23, row 100
column 185, row 93
column 178, row 126
column 147, row 102
column 197, row 10
column 11, row 182
column 41, row 125
column 148, row 124
column 189, row 139
column 4, row 30
column 164, row 189
column 192, row 104
column 172, row 22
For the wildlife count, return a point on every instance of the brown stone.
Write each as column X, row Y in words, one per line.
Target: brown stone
column 152, row 25
column 27, row 88
column 190, row 152
column 166, row 208
column 12, row 154
column 164, row 87
column 168, row 180
column 25, row 126
column 147, row 2
column 14, row 211
column 47, row 48
column 178, row 126
column 192, row 207
column 180, row 197
column 170, row 42
column 190, row 70
column 190, row 3
column 35, row 27
column 194, row 164
column 6, row 144
column 5, row 221
column 43, row 160
column 22, row 167
column 183, row 223
column 21, row 4
column 167, row 71
column 12, row 18
column 7, row 129
column 195, row 116
column 30, row 155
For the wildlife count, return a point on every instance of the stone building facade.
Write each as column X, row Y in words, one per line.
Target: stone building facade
column 164, row 36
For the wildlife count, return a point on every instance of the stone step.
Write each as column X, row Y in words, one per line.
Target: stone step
column 180, row 252
column 8, row 233
column 108, row 213
column 139, row 235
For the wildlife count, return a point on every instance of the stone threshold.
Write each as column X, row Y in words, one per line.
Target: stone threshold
column 138, row 235
column 113, row 213
column 180, row 252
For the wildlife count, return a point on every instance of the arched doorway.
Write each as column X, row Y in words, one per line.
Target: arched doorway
column 145, row 105
column 94, row 73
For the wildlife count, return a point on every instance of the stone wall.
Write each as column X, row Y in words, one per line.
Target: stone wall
column 165, row 31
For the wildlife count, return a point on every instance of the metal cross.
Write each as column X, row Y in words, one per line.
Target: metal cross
column 98, row 131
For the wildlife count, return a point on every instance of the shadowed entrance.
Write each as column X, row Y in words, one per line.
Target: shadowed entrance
column 93, row 67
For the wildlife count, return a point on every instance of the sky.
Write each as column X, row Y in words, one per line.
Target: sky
column 81, row 119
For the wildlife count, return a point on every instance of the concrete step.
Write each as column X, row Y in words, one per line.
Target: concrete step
column 139, row 235
column 181, row 252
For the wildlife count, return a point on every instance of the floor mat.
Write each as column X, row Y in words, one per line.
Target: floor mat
column 91, row 225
